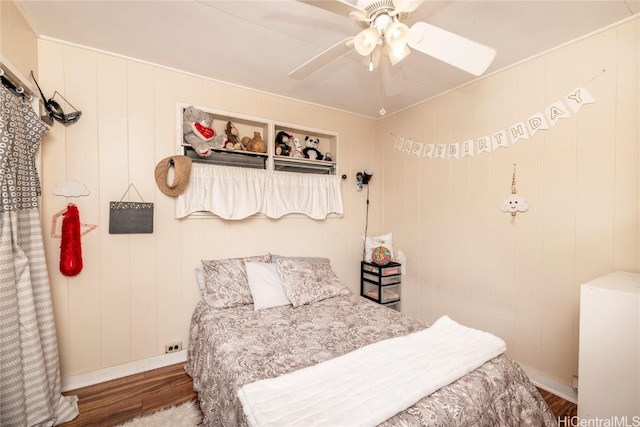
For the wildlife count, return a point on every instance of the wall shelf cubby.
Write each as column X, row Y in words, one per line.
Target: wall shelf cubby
column 268, row 129
column 243, row 159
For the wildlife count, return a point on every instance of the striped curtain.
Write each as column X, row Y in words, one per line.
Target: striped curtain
column 29, row 367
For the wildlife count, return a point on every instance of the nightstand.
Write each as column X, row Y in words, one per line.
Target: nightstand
column 381, row 283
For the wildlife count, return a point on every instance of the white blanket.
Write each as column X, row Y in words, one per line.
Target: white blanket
column 371, row 384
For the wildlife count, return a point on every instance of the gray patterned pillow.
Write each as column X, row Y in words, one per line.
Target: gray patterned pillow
column 305, row 283
column 226, row 281
column 309, row 259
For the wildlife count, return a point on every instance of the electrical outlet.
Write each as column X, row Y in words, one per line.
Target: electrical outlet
column 172, row 347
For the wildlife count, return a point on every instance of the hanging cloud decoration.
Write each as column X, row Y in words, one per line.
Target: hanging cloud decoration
column 513, row 204
column 71, row 188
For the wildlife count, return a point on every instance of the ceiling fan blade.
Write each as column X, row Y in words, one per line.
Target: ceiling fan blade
column 322, row 59
column 406, row 5
column 451, row 48
column 340, row 7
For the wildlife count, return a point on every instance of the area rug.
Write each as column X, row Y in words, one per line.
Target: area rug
column 184, row 415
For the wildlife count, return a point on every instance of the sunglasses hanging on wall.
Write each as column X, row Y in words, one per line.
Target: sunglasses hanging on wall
column 55, row 111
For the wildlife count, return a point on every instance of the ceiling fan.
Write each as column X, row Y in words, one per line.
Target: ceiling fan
column 385, row 33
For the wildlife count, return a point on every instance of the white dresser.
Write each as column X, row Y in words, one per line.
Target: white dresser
column 609, row 359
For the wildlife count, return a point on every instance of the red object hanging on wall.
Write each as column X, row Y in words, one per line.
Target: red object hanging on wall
column 70, row 248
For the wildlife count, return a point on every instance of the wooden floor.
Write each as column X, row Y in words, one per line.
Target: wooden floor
column 561, row 408
column 114, row 402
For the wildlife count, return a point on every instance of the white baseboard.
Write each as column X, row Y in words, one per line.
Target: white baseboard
column 114, row 372
column 553, row 386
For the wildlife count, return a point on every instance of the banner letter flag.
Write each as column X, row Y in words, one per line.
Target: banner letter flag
column 499, row 139
column 577, row 98
column 564, row 108
column 484, row 145
column 417, row 149
column 536, row 122
column 467, row 148
column 453, row 150
column 408, row 145
column 428, row 151
column 557, row 111
column 518, row 131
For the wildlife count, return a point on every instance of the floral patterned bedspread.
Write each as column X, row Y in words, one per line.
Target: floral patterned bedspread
column 230, row 347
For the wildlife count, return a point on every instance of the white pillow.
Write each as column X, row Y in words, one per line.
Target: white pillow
column 200, row 279
column 265, row 285
column 370, row 243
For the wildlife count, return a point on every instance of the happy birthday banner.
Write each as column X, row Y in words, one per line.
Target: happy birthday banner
column 525, row 129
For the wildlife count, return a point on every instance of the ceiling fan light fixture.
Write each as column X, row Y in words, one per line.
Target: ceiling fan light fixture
column 398, row 53
column 382, row 21
column 366, row 41
column 396, row 35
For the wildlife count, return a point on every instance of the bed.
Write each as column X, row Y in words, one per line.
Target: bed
column 260, row 320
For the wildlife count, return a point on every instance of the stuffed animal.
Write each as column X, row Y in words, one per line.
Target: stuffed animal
column 311, row 149
column 282, row 146
column 256, row 144
column 218, row 141
column 297, row 148
column 233, row 141
column 197, row 131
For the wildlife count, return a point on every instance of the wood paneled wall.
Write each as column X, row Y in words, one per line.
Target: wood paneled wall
column 465, row 258
column 18, row 45
column 137, row 292
column 580, row 179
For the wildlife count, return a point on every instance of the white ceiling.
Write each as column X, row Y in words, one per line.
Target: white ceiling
column 257, row 43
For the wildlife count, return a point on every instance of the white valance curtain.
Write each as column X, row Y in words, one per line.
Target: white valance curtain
column 237, row 193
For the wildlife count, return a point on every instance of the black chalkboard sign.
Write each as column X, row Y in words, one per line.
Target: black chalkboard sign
column 130, row 217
